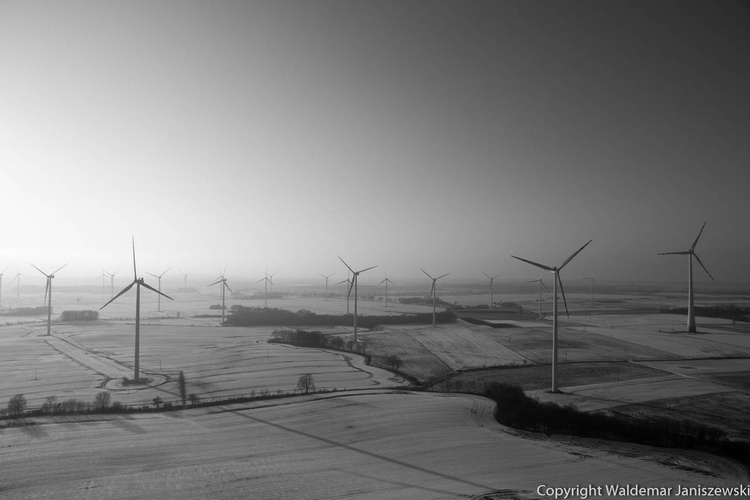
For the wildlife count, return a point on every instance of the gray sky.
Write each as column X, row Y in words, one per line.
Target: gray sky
column 404, row 134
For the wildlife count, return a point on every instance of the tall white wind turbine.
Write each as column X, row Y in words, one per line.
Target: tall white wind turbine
column 138, row 282
column 492, row 294
column 224, row 286
column 158, row 277
column 432, row 292
column 355, row 279
column 48, row 294
column 541, row 284
column 556, row 272
column 691, row 253
column 326, row 278
column 112, row 282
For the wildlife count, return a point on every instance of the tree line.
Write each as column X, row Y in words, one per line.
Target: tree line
column 267, row 316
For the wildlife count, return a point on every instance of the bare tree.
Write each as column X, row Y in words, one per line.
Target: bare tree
column 393, row 362
column 194, row 399
column 102, row 400
column 157, row 401
column 306, row 383
column 183, row 389
column 50, row 402
column 16, row 404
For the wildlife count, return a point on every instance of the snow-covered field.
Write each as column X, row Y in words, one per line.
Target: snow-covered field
column 359, row 445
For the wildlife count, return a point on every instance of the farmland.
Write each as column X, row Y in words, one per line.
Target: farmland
column 363, row 433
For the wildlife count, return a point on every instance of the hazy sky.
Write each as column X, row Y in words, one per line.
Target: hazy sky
column 439, row 134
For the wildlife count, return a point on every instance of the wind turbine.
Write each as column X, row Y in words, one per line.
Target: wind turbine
column 265, row 290
column 138, row 282
column 432, row 292
column 348, row 287
column 102, row 276
column 48, row 294
column 386, row 280
column 492, row 296
column 355, row 276
column 18, row 289
column 591, row 281
column 556, row 272
column 324, row 276
column 1, row 286
column 185, row 275
column 224, row 285
column 270, row 278
column 112, row 281
column 691, row 253
column 541, row 284
column 159, row 278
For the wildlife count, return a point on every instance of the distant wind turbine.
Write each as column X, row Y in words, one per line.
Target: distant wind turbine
column 556, row 272
column 1, row 287
column 102, row 276
column 691, row 253
column 158, row 277
column 48, row 294
column 386, row 280
column 185, row 275
column 138, row 282
column 224, row 286
column 591, row 281
column 433, row 293
column 326, row 278
column 348, row 287
column 270, row 278
column 355, row 279
column 492, row 294
column 112, row 282
column 18, row 286
column 541, row 284
column 267, row 280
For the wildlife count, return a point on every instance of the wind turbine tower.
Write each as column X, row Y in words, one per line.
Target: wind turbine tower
column 492, row 294
column 48, row 294
column 556, row 273
column 541, row 284
column 691, row 253
column 138, row 282
column 348, row 287
column 432, row 292
column 224, row 286
column 326, row 278
column 355, row 279
column 158, row 277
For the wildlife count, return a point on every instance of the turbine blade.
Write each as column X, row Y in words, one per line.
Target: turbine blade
column 157, row 291
column 704, row 267
column 230, row 290
column 546, row 268
column 53, row 272
column 385, row 280
column 116, row 296
column 495, row 277
column 342, row 281
column 576, row 253
column 351, row 285
column 696, row 239
column 152, row 274
column 545, row 286
column 347, row 265
column 32, row 265
column 363, row 270
column 443, row 276
column 165, row 272
column 135, row 271
column 490, row 277
column 426, row 273
column 687, row 252
column 215, row 282
column 562, row 290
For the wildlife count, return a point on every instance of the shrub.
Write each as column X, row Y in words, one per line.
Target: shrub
column 101, row 401
column 79, row 316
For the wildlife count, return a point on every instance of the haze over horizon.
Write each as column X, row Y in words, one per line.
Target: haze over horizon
column 442, row 135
